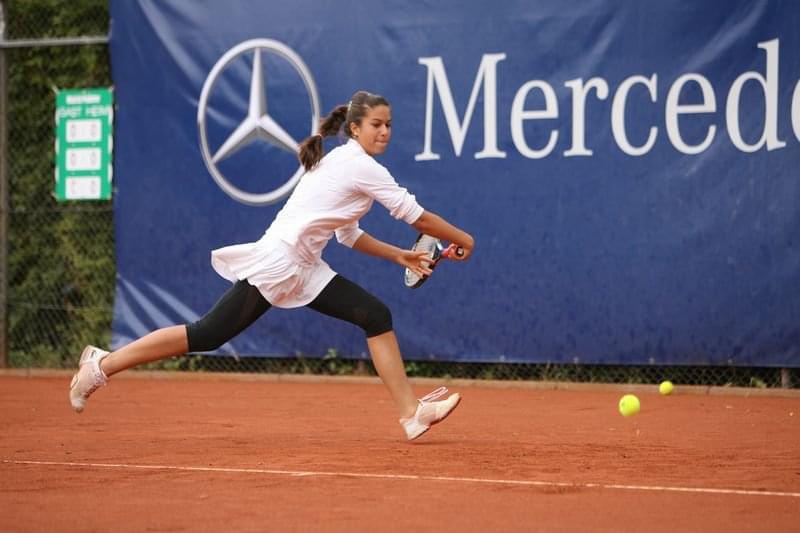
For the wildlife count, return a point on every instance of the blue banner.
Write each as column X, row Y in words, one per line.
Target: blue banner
column 629, row 170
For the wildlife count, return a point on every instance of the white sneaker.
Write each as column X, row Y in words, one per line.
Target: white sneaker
column 429, row 412
column 88, row 378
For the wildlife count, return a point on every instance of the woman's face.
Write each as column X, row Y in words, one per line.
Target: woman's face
column 375, row 130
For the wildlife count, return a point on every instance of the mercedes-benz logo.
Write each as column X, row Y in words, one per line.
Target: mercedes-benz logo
column 258, row 124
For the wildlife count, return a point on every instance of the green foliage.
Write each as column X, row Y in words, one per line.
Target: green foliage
column 61, row 263
column 188, row 363
column 336, row 365
column 32, row 19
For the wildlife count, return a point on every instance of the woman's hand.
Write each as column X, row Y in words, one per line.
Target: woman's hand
column 434, row 225
column 466, row 250
column 417, row 262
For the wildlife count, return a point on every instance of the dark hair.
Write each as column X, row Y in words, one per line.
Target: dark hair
column 311, row 149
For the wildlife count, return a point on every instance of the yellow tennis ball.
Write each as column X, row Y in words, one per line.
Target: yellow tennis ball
column 666, row 387
column 629, row 405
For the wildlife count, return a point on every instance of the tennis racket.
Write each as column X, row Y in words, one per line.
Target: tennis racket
column 436, row 252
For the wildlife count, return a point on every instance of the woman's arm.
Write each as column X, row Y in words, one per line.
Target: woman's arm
column 376, row 182
column 432, row 224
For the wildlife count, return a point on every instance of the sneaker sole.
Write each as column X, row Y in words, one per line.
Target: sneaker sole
column 76, row 408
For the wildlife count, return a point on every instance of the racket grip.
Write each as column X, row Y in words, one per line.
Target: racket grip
column 451, row 250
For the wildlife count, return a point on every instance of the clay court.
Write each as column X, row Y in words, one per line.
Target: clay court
column 176, row 452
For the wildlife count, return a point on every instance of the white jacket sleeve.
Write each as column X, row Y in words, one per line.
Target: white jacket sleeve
column 349, row 234
column 375, row 181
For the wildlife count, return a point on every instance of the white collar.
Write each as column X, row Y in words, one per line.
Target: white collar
column 354, row 144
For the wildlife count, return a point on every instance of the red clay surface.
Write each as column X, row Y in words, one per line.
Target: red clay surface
column 554, row 436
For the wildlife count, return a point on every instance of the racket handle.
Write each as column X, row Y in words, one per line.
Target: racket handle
column 452, row 249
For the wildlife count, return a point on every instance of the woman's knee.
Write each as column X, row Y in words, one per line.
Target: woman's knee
column 202, row 338
column 239, row 307
column 378, row 319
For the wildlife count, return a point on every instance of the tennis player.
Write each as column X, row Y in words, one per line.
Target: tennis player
column 285, row 267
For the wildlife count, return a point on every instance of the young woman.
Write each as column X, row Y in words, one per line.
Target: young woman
column 285, row 268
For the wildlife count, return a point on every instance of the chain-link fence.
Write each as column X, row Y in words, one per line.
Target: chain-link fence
column 61, row 269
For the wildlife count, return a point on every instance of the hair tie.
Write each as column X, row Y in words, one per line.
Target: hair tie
column 349, row 105
column 319, row 135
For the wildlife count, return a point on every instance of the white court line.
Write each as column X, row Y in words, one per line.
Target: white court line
column 515, row 482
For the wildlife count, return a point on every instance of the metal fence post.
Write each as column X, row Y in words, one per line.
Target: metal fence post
column 786, row 379
column 3, row 198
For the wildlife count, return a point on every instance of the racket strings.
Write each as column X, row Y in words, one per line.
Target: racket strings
column 433, row 248
column 428, row 244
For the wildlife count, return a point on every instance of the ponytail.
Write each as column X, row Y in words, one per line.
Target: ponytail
column 311, row 149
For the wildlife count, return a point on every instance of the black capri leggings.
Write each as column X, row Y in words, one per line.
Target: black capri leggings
column 243, row 304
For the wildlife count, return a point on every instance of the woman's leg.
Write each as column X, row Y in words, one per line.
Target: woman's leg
column 96, row 365
column 345, row 300
column 239, row 307
column 388, row 361
column 159, row 344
